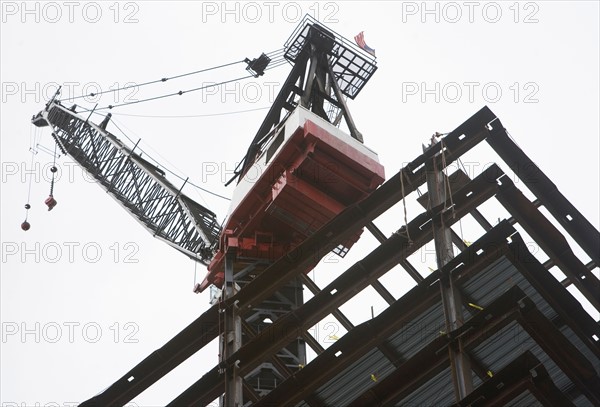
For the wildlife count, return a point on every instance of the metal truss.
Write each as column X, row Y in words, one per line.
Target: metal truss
column 138, row 185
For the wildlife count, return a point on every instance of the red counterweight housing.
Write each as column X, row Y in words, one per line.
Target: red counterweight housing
column 308, row 173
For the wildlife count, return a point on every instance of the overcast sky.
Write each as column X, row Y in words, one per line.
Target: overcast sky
column 87, row 293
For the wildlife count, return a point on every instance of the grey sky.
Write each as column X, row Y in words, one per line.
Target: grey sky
column 88, row 266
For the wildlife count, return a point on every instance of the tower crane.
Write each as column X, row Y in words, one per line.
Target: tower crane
column 326, row 70
column 310, row 171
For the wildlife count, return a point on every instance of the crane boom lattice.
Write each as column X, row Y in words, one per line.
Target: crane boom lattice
column 138, row 185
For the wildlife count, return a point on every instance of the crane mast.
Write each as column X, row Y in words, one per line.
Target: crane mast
column 138, row 185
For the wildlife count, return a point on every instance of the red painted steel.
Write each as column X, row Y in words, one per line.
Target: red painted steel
column 315, row 175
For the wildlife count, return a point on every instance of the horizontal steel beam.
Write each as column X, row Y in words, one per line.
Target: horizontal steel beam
column 160, row 362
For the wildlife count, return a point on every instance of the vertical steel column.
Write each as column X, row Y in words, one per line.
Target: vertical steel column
column 231, row 340
column 451, row 300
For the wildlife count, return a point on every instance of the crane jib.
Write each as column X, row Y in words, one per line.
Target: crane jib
column 138, row 185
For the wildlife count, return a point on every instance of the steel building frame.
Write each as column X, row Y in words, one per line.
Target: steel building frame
column 524, row 335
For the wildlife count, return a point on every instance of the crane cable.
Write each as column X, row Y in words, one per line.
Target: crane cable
column 93, row 94
column 190, row 116
column 179, row 93
column 33, row 134
column 276, row 65
column 53, row 170
column 172, row 172
column 273, row 54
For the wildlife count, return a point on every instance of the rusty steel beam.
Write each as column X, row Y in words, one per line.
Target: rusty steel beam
column 312, row 342
column 457, row 180
column 586, row 236
column 550, row 240
column 383, row 347
column 460, row 363
column 194, row 337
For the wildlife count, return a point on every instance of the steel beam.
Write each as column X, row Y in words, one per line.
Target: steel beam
column 160, row 362
column 550, row 240
column 524, row 373
column 570, row 360
column 403, row 381
column 364, row 337
column 546, row 191
column 567, row 307
column 378, row 234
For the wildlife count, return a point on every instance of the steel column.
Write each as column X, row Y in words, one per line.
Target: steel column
column 451, row 298
column 231, row 340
